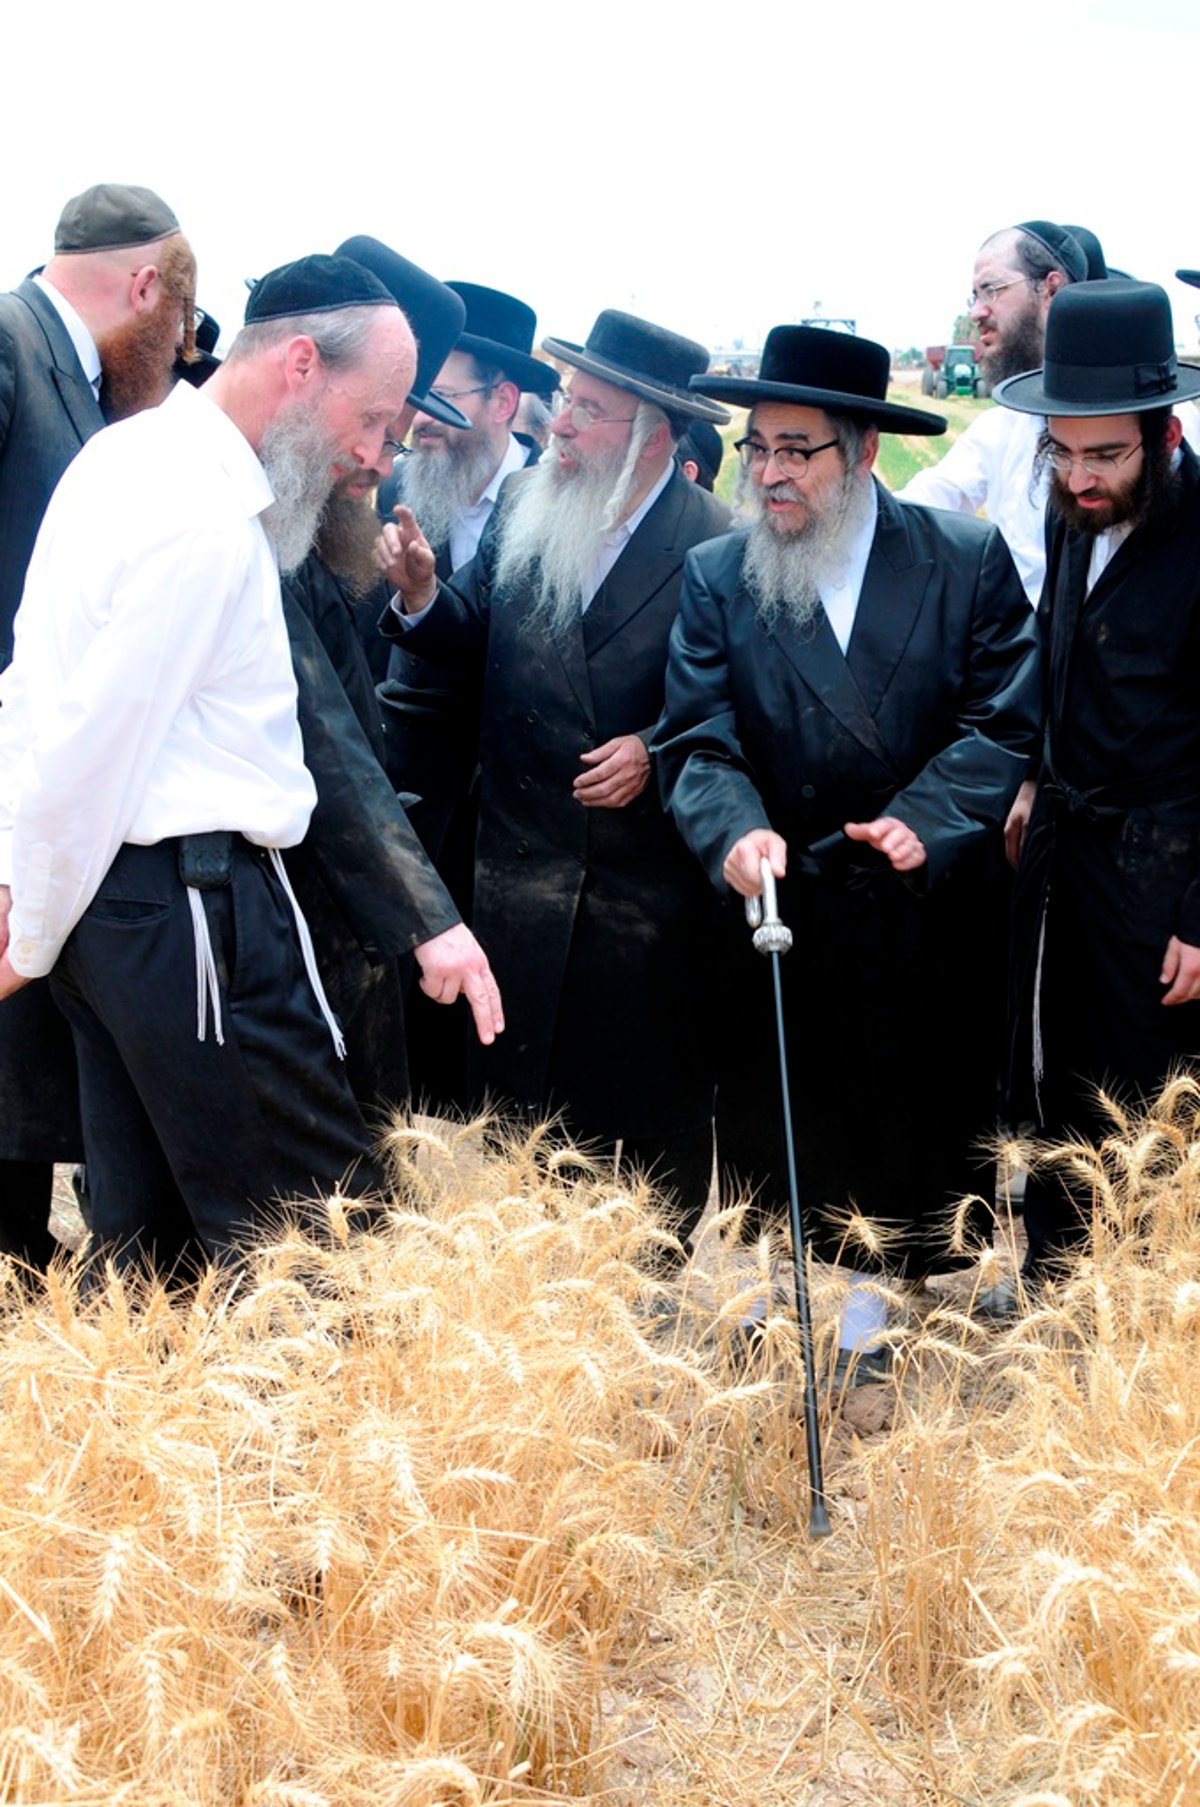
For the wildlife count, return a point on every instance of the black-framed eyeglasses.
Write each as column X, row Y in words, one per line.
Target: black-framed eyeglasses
column 793, row 460
column 394, row 445
column 1096, row 464
column 456, row 395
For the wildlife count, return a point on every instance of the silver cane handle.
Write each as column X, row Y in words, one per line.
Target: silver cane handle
column 762, row 914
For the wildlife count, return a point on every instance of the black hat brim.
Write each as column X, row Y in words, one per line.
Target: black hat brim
column 1027, row 395
column 674, row 401
column 446, row 412
column 1189, row 276
column 889, row 417
column 529, row 374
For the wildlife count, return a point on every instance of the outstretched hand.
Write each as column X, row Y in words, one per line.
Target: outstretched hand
column 407, row 560
column 891, row 837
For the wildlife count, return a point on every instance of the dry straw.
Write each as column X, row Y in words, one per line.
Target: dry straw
column 439, row 1512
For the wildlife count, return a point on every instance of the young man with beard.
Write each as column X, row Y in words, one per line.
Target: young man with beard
column 993, row 464
column 151, row 769
column 92, row 335
column 1107, row 908
column 585, row 898
column 852, row 694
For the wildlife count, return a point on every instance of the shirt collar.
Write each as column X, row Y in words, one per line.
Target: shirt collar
column 851, row 568
column 625, row 530
column 514, row 459
column 81, row 338
column 207, row 420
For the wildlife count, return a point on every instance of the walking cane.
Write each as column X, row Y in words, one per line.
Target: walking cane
column 772, row 938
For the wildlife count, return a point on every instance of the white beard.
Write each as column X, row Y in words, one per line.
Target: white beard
column 782, row 571
column 440, row 486
column 297, row 453
column 558, row 523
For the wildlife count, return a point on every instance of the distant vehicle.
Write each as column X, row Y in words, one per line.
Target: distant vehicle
column 952, row 370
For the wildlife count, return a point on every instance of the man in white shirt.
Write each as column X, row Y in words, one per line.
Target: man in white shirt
column 992, row 464
column 91, row 335
column 852, row 695
column 151, row 769
column 589, row 904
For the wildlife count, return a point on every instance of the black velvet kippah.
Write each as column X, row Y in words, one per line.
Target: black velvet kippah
column 315, row 285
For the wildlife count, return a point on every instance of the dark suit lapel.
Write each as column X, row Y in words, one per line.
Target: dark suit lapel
column 76, row 393
column 1068, row 606
column 893, row 589
column 814, row 653
column 649, row 559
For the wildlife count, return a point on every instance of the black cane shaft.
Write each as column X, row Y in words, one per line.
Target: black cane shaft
column 818, row 1520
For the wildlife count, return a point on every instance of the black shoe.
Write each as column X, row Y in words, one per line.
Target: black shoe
column 861, row 1368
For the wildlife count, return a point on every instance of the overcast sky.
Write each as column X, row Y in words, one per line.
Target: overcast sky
column 716, row 169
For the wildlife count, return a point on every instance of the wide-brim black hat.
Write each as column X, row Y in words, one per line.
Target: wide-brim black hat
column 812, row 367
column 499, row 330
column 434, row 312
column 645, row 359
column 1110, row 349
column 1190, row 276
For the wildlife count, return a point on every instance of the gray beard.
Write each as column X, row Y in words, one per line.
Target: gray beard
column 297, row 453
column 346, row 540
column 440, row 486
column 557, row 524
column 782, row 571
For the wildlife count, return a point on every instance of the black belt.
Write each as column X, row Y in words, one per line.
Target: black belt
column 1101, row 802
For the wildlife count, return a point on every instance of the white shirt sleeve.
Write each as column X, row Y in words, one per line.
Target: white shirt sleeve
column 157, row 635
column 958, row 481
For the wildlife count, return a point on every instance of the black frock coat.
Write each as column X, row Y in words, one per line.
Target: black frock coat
column 894, row 990
column 1111, row 864
column 594, row 919
column 47, row 411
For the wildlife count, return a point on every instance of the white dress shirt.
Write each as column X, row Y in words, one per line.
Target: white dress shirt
column 467, row 531
column 81, row 338
column 991, row 465
column 151, row 692
column 840, row 589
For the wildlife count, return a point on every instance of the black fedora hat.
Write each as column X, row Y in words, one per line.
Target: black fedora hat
column 434, row 312
column 645, row 359
column 1110, row 349
column 1190, row 276
column 812, row 367
column 499, row 330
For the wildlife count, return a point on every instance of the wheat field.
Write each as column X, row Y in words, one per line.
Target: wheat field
column 440, row 1510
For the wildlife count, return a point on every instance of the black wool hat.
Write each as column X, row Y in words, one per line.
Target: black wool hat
column 1061, row 244
column 113, row 216
column 645, row 359
column 499, row 330
column 704, row 445
column 1189, row 276
column 434, row 312
column 812, row 367
column 1110, row 349
column 314, row 285
column 1093, row 251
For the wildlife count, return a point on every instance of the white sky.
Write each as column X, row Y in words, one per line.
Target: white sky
column 714, row 168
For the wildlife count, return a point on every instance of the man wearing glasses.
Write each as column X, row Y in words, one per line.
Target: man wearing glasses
column 852, row 694
column 1107, row 906
column 1018, row 272
column 592, row 911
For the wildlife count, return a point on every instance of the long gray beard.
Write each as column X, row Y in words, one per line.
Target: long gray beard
column 297, row 453
column 782, row 571
column 558, row 523
column 440, row 486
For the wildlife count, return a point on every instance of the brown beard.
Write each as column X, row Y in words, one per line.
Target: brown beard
column 1152, row 496
column 137, row 359
column 346, row 539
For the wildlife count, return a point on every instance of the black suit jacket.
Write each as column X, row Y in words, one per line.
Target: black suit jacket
column 590, row 916
column 47, row 411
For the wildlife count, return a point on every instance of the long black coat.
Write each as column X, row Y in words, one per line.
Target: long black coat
column 367, row 889
column 1111, row 866
column 47, row 411
column 594, row 919
column 892, row 994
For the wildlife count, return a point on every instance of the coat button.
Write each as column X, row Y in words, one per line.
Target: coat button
column 533, row 718
column 808, row 792
column 523, row 784
column 522, row 846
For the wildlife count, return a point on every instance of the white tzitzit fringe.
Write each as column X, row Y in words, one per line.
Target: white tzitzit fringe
column 310, row 958
column 206, row 971
column 1039, row 1053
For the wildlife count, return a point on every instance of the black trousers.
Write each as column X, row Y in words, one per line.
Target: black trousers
column 191, row 1145
column 26, row 1190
